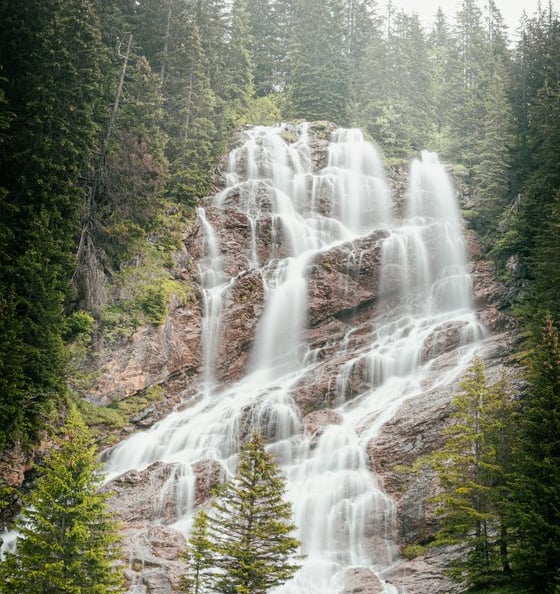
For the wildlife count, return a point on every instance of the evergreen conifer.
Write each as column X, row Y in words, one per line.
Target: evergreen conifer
column 68, row 541
column 244, row 545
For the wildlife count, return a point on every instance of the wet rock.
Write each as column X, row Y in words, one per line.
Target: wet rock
column 150, row 495
column 243, row 305
column 444, row 339
column 424, row 574
column 145, row 496
column 156, row 582
column 359, row 260
column 331, row 293
column 315, row 422
column 360, row 580
column 153, row 559
column 415, row 430
column 495, row 320
column 209, row 474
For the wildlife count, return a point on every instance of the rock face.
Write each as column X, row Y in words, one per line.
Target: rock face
column 345, row 300
column 362, row 581
column 153, row 563
column 154, row 356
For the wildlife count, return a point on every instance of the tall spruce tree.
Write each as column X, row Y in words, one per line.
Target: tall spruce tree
column 67, row 542
column 468, row 101
column 536, row 492
column 190, row 114
column 472, row 468
column 319, row 66
column 269, row 27
column 244, row 545
column 50, row 53
column 491, row 172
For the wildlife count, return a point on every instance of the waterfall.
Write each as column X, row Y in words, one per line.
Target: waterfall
column 344, row 518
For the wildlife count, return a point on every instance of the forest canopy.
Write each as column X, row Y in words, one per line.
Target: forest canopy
column 114, row 112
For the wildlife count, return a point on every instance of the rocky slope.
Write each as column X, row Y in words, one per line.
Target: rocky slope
column 343, row 294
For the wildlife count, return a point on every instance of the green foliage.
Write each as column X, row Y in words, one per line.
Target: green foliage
column 244, row 545
column 319, row 81
column 198, row 557
column 101, row 415
column 145, row 285
column 51, row 64
column 118, row 414
column 411, row 551
column 473, row 468
column 68, row 541
column 536, row 487
column 79, row 323
column 263, row 111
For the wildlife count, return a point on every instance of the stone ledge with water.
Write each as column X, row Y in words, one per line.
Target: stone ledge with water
column 325, row 318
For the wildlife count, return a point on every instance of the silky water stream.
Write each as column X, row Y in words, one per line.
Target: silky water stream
column 344, row 519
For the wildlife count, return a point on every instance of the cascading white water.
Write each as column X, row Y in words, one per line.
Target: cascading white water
column 344, row 519
column 214, row 283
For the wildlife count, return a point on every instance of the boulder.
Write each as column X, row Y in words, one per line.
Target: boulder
column 153, row 560
column 360, row 580
column 315, row 422
column 144, row 496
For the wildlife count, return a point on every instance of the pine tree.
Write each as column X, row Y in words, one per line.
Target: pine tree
column 269, row 26
column 491, row 173
column 445, row 79
column 473, row 467
column 246, row 536
column 190, row 115
column 198, row 557
column 67, row 542
column 468, row 101
column 536, row 489
column 51, row 55
column 319, row 67
column 238, row 91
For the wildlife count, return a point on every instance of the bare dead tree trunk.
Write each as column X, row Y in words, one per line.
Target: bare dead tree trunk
column 89, row 277
column 166, row 41
column 118, row 94
column 189, row 104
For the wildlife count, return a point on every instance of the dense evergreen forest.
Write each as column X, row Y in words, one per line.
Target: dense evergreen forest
column 113, row 115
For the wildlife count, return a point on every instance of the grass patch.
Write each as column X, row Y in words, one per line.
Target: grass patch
column 95, row 415
column 118, row 414
column 134, row 404
column 143, row 288
column 502, row 589
column 411, row 551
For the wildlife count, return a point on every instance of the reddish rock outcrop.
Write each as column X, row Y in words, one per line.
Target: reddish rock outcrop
column 243, row 304
column 145, row 496
column 344, row 303
column 154, row 355
column 153, row 559
column 360, row 580
column 150, row 495
column 315, row 422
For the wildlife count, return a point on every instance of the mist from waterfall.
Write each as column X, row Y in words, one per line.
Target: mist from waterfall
column 343, row 516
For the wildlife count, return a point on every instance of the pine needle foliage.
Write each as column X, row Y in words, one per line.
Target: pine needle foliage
column 472, row 468
column 68, row 540
column 536, row 493
column 245, row 544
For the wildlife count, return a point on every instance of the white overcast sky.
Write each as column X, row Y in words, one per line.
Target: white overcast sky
column 511, row 9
